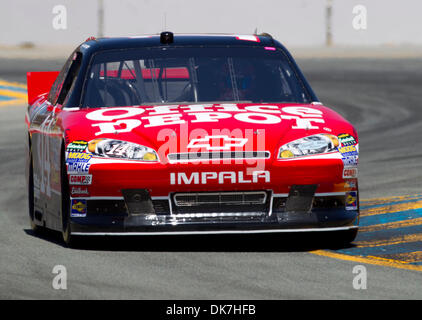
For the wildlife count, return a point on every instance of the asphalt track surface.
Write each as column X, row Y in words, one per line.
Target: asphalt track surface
column 381, row 97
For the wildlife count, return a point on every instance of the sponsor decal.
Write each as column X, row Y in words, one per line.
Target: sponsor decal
column 79, row 191
column 78, row 167
column 218, row 177
column 350, row 161
column 346, row 139
column 78, row 157
column 125, row 119
column 350, row 184
column 77, row 146
column 217, row 142
column 80, row 179
column 348, row 151
column 351, row 200
column 350, row 172
column 78, row 208
column 78, row 162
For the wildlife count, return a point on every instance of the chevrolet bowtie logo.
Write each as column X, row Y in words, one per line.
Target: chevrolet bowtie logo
column 217, row 143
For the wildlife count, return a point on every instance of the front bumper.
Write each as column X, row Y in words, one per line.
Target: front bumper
column 303, row 195
column 275, row 218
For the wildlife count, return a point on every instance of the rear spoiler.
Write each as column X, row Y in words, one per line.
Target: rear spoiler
column 39, row 83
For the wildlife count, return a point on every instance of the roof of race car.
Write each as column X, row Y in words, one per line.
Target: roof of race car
column 94, row 44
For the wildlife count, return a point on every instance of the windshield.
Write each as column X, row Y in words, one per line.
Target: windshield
column 180, row 75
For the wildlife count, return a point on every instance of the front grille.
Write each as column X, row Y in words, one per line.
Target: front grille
column 192, row 156
column 219, row 215
column 219, row 198
column 221, row 205
column 214, row 205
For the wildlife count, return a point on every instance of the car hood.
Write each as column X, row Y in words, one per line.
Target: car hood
column 211, row 127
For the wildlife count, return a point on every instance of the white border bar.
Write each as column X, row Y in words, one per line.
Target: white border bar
column 152, row 233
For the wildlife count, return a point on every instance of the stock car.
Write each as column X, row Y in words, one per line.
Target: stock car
column 186, row 134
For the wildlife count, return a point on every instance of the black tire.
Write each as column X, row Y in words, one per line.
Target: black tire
column 31, row 202
column 69, row 239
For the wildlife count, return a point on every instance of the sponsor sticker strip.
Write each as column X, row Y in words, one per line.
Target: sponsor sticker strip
column 80, row 179
column 77, row 146
column 78, row 208
column 346, row 139
column 351, row 200
column 78, row 162
column 350, row 172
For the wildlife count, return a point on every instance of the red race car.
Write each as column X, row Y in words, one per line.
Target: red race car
column 186, row 134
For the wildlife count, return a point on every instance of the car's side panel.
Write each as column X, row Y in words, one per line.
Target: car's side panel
column 53, row 136
column 39, row 117
column 46, row 142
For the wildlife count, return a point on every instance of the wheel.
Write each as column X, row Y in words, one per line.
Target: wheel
column 31, row 202
column 68, row 238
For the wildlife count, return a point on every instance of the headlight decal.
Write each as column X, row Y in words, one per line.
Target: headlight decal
column 311, row 145
column 117, row 149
